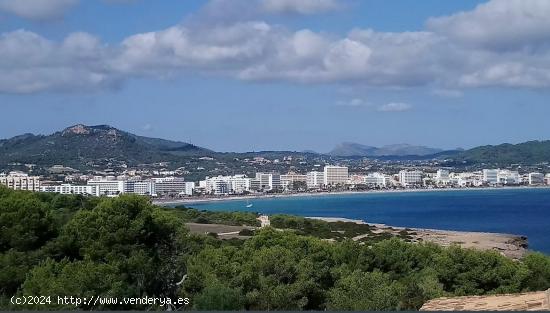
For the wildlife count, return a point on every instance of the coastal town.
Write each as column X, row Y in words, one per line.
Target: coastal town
column 168, row 185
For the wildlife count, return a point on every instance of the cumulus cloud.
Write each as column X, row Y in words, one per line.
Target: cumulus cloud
column 441, row 57
column 37, row 9
column 30, row 63
column 499, row 25
column 394, row 107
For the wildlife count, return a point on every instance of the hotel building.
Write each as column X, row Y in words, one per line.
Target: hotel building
column 315, row 179
column 266, row 181
column 410, row 178
column 289, row 179
column 442, row 177
column 536, row 179
column 170, row 185
column 68, row 189
column 335, row 175
column 108, row 186
column 490, row 176
column 20, row 181
column 375, row 180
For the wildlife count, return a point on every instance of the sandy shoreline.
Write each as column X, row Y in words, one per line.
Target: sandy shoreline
column 509, row 245
column 322, row 194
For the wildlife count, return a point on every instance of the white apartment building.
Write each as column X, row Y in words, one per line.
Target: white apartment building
column 315, row 179
column 490, row 176
column 289, row 179
column 442, row 177
column 239, row 184
column 20, row 181
column 144, row 188
column 108, row 186
column 226, row 184
column 189, row 187
column 266, row 181
column 547, row 179
column 68, row 189
column 375, row 180
column 536, row 179
column 507, row 177
column 217, row 185
column 335, row 175
column 169, row 185
column 410, row 178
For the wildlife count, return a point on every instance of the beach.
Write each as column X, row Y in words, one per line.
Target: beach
column 191, row 200
column 509, row 245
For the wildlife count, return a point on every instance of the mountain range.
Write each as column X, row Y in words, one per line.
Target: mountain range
column 82, row 145
column 351, row 149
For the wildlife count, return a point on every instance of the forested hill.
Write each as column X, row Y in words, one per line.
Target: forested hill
column 531, row 152
column 67, row 245
column 82, row 145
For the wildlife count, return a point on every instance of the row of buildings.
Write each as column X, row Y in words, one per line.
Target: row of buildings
column 274, row 182
column 238, row 184
column 102, row 186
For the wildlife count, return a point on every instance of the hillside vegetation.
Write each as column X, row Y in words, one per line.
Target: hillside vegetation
column 57, row 245
column 81, row 146
column 531, row 152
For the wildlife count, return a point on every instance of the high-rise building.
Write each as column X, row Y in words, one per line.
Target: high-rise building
column 315, row 179
column 169, row 185
column 267, row 181
column 442, row 177
column 490, row 176
column 144, row 188
column 239, row 184
column 536, row 178
column 335, row 175
column 20, row 181
column 410, row 178
column 507, row 177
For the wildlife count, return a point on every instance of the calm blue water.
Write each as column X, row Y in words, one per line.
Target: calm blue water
column 516, row 211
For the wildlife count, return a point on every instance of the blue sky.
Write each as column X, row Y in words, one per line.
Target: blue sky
column 249, row 75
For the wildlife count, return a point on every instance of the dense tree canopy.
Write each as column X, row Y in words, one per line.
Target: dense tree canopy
column 126, row 247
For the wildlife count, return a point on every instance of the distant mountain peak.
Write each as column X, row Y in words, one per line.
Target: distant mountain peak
column 79, row 129
column 348, row 149
column 82, row 144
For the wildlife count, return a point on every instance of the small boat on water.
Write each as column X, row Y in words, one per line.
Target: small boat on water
column 248, row 204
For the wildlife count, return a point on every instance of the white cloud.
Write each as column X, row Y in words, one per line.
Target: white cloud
column 30, row 63
column 255, row 50
column 499, row 24
column 353, row 103
column 37, row 9
column 301, row 6
column 394, row 107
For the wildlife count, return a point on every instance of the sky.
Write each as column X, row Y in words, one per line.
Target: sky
column 251, row 75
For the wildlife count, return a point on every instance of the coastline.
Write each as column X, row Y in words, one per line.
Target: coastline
column 335, row 193
column 509, row 245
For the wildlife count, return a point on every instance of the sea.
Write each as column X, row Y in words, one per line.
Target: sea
column 519, row 211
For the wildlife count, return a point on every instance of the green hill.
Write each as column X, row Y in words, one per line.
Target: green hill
column 81, row 145
column 531, row 152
